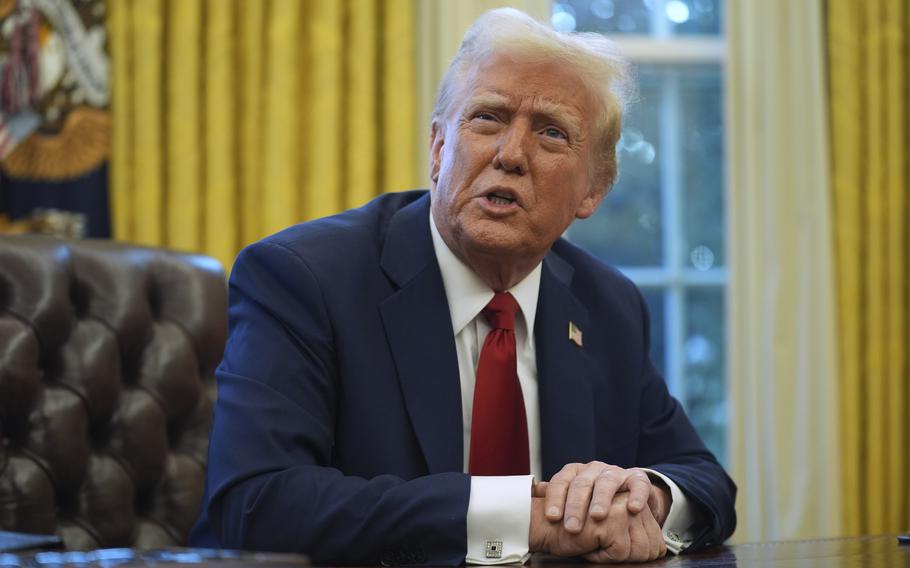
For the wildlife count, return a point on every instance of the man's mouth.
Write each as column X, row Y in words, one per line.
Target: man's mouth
column 500, row 198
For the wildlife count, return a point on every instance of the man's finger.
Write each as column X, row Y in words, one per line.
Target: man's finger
column 655, row 537
column 607, row 484
column 599, row 556
column 620, row 544
column 639, row 487
column 654, row 503
column 639, row 540
column 557, row 488
column 578, row 499
column 539, row 489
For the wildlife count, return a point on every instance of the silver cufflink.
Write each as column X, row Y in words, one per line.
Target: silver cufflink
column 494, row 549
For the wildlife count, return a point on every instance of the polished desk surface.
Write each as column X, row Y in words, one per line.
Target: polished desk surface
column 873, row 551
column 869, row 551
column 163, row 557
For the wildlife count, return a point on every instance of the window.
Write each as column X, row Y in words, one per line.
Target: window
column 663, row 223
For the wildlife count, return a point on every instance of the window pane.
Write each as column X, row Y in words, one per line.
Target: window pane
column 694, row 17
column 626, row 229
column 704, row 367
column 665, row 215
column 643, row 17
column 608, row 16
column 701, row 94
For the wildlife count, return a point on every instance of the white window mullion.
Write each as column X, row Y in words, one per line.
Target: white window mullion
column 659, row 276
column 660, row 25
column 671, row 54
column 674, row 320
column 673, row 232
column 644, row 49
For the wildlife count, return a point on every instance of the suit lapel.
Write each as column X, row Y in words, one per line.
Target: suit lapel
column 563, row 372
column 419, row 331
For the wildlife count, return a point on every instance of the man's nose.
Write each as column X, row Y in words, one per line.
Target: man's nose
column 512, row 154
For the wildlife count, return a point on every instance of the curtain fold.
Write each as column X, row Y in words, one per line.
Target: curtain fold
column 785, row 450
column 868, row 54
column 183, row 175
column 146, row 21
column 235, row 119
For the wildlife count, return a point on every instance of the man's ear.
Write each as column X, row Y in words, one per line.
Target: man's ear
column 591, row 201
column 437, row 140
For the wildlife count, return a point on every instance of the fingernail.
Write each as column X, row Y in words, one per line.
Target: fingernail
column 636, row 504
column 553, row 511
column 572, row 524
column 597, row 509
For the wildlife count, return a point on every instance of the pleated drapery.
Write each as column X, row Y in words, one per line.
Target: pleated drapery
column 784, row 448
column 869, row 62
column 234, row 119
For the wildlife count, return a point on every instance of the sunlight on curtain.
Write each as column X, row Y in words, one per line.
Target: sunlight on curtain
column 783, row 380
column 869, row 51
column 233, row 119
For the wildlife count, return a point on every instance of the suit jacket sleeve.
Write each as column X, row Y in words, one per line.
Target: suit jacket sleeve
column 271, row 485
column 669, row 444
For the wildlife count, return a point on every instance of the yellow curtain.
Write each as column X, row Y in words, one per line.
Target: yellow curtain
column 869, row 62
column 233, row 119
column 781, row 338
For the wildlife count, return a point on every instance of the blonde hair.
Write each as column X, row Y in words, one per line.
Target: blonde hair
column 596, row 59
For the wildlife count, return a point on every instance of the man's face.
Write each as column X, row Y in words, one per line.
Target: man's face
column 512, row 161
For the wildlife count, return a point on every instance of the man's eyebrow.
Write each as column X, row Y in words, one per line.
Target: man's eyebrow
column 489, row 100
column 558, row 112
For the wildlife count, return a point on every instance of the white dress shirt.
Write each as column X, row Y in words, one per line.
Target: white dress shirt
column 499, row 509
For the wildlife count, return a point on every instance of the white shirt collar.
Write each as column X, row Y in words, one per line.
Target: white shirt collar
column 468, row 294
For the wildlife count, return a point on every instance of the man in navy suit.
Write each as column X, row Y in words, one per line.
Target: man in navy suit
column 346, row 397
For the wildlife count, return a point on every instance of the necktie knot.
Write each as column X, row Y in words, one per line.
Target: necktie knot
column 501, row 310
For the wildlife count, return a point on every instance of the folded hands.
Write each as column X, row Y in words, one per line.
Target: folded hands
column 602, row 512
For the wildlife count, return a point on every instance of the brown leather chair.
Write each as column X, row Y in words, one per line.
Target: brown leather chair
column 107, row 355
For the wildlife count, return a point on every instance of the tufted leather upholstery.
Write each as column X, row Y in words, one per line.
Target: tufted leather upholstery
column 107, row 354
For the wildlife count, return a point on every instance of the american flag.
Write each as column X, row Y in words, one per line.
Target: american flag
column 574, row 334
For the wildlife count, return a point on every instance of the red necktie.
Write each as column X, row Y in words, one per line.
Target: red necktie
column 499, row 428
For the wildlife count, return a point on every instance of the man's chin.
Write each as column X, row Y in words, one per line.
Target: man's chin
column 507, row 248
column 497, row 239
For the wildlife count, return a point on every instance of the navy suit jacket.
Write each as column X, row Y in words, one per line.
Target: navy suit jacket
column 338, row 428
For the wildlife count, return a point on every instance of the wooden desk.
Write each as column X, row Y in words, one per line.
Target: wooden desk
column 866, row 552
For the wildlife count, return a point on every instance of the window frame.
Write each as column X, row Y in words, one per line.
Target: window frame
column 674, row 278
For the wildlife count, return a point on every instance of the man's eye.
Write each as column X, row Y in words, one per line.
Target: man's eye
column 484, row 116
column 554, row 133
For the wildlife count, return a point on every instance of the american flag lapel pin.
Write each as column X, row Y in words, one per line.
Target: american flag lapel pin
column 574, row 334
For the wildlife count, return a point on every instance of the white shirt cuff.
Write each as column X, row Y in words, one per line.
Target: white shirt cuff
column 499, row 519
column 678, row 524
